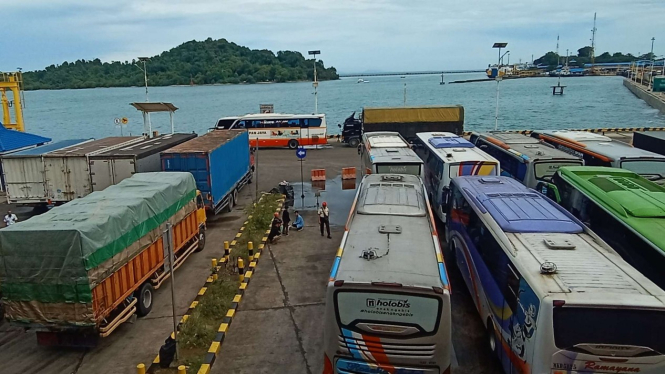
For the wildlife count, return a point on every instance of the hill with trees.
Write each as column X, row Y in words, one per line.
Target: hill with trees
column 194, row 62
column 584, row 57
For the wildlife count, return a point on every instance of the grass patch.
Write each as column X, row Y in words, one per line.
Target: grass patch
column 198, row 332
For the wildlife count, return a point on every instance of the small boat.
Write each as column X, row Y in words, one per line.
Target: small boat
column 360, row 80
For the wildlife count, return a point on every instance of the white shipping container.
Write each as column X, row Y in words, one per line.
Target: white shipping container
column 112, row 166
column 67, row 172
column 24, row 172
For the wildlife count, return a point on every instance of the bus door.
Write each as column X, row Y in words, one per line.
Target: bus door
column 513, row 350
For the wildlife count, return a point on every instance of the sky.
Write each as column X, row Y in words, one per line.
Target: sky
column 353, row 35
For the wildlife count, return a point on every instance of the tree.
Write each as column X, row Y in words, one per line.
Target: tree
column 584, row 52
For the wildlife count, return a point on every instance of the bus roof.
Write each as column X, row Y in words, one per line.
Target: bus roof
column 516, row 208
column 383, row 139
column 600, row 144
column 391, row 217
column 523, row 145
column 394, row 155
column 279, row 115
column 464, row 151
column 587, row 270
column 634, row 200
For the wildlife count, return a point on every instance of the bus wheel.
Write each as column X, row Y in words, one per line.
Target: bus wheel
column 202, row 241
column 491, row 338
column 353, row 142
column 145, row 297
column 293, row 144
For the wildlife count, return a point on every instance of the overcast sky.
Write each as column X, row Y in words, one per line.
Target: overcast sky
column 353, row 35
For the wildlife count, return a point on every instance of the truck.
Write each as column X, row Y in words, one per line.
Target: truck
column 80, row 270
column 112, row 166
column 220, row 163
column 23, row 172
column 407, row 121
column 47, row 176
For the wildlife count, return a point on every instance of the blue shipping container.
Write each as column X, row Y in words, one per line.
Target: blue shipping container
column 219, row 162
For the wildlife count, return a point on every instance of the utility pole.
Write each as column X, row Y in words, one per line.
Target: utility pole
column 316, row 82
column 653, row 61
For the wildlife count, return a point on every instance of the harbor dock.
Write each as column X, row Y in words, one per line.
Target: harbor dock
column 654, row 99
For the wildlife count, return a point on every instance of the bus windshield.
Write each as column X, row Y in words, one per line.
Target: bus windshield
column 650, row 169
column 412, row 169
column 225, row 124
column 409, row 310
column 546, row 169
column 633, row 327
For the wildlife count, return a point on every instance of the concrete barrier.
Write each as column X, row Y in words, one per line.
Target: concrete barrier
column 348, row 173
column 318, row 175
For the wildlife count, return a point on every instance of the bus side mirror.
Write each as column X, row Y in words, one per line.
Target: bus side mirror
column 550, row 190
column 339, row 125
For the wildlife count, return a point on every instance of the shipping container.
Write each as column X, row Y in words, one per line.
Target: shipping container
column 110, row 167
column 219, row 162
column 24, row 172
column 67, row 171
column 82, row 269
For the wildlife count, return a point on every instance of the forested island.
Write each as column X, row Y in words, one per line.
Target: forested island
column 583, row 56
column 194, row 62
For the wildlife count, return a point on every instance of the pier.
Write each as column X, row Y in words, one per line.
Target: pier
column 411, row 73
column 654, row 99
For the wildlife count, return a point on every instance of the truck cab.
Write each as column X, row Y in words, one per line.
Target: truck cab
column 351, row 130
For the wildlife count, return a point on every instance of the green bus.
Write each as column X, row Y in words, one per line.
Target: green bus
column 626, row 210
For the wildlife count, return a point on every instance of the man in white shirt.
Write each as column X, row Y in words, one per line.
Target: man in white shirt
column 10, row 218
column 324, row 218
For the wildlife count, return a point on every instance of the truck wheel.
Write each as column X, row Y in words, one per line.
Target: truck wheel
column 293, row 144
column 145, row 298
column 232, row 201
column 202, row 241
column 353, row 143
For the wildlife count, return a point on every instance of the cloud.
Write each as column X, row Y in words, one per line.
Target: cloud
column 354, row 35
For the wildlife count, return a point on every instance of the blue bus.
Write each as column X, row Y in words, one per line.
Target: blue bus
column 553, row 296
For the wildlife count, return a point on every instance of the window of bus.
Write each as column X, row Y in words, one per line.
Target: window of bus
column 225, row 124
column 650, row 169
column 411, row 169
column 632, row 327
column 406, row 309
column 544, row 170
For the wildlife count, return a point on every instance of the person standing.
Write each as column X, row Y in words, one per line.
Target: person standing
column 10, row 218
column 286, row 219
column 324, row 218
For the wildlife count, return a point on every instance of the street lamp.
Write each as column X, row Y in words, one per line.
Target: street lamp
column 498, row 80
column 315, row 84
column 144, row 60
column 653, row 61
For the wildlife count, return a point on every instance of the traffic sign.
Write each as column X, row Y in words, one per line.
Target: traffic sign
column 124, row 120
column 117, row 121
column 301, row 153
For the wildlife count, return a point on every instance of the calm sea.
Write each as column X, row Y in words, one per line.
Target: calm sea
column 524, row 104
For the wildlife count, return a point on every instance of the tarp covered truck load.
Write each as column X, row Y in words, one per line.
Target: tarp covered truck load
column 220, row 162
column 78, row 271
column 405, row 120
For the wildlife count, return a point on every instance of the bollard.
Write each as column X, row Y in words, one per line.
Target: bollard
column 182, row 369
column 214, row 264
column 140, row 369
column 241, row 269
column 250, row 249
column 227, row 252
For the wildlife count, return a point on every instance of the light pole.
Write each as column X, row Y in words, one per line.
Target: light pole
column 144, row 60
column 498, row 80
column 316, row 82
column 404, row 77
column 653, row 61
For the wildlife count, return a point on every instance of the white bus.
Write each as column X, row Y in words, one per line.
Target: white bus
column 279, row 130
column 524, row 158
column 447, row 156
column 387, row 152
column 554, row 297
column 388, row 297
column 600, row 150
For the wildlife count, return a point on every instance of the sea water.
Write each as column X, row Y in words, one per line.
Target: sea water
column 588, row 102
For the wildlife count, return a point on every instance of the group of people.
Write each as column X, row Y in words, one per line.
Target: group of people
column 280, row 226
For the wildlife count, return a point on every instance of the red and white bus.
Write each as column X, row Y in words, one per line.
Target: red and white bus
column 279, row 130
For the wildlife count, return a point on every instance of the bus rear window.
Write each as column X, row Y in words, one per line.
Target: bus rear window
column 411, row 169
column 399, row 309
column 545, row 170
column 631, row 327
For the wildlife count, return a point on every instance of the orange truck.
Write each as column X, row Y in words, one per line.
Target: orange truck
column 79, row 271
